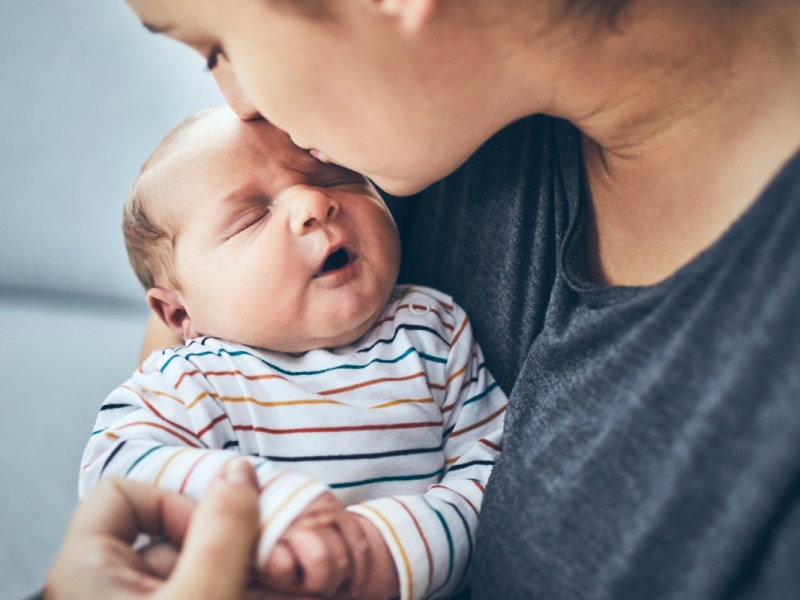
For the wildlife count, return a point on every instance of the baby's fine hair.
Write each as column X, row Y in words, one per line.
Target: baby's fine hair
column 150, row 244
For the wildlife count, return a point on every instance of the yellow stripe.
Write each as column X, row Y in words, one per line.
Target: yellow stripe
column 405, row 401
column 235, row 399
column 399, row 545
column 194, row 402
column 456, row 374
column 166, row 464
column 164, row 394
column 265, row 523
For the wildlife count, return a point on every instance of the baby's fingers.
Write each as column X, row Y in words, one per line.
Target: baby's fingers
column 309, row 561
column 283, row 571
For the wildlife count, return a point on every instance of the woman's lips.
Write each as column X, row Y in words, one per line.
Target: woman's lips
column 319, row 155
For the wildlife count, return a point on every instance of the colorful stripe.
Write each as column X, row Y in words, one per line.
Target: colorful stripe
column 403, row 553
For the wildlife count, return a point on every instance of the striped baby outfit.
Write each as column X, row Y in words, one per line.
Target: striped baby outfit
column 403, row 425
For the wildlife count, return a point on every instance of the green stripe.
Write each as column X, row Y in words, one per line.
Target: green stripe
column 348, row 484
column 142, row 457
column 479, row 396
column 282, row 371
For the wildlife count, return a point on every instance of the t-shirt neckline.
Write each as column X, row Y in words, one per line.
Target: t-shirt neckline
column 572, row 261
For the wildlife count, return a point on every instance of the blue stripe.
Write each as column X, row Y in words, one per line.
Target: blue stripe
column 479, row 396
column 96, row 431
column 282, row 371
column 111, row 456
column 409, row 328
column 141, row 458
column 432, row 358
column 364, row 456
column 347, row 484
column 469, row 543
column 114, row 406
column 458, row 467
column 449, row 547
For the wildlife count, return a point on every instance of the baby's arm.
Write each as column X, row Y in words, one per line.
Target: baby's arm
column 174, row 434
column 431, row 536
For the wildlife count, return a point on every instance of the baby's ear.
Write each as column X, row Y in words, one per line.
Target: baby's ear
column 411, row 14
column 169, row 307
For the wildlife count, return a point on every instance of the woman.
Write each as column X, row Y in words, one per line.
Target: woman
column 629, row 261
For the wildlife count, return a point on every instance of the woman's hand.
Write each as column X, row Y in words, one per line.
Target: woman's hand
column 216, row 537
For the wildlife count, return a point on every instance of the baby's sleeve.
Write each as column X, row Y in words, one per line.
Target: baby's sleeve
column 432, row 536
column 176, row 435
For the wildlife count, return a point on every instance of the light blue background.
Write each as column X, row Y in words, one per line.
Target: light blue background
column 85, row 94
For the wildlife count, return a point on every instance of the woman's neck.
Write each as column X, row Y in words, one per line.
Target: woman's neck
column 688, row 110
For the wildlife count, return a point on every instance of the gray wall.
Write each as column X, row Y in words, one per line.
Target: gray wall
column 85, row 94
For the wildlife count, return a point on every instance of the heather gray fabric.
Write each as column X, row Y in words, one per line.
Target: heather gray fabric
column 652, row 447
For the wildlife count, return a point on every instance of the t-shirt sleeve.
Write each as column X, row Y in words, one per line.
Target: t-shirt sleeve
column 174, row 434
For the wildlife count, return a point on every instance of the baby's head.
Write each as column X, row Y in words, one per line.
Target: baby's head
column 237, row 233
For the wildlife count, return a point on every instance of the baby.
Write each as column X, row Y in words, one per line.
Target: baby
column 304, row 356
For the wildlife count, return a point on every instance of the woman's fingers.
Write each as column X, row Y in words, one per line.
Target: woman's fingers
column 122, row 509
column 219, row 543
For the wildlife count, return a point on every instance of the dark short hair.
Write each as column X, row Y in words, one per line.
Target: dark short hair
column 606, row 11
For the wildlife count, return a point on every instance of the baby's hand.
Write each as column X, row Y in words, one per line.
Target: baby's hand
column 331, row 553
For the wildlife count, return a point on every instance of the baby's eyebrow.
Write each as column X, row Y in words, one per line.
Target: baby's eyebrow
column 240, row 194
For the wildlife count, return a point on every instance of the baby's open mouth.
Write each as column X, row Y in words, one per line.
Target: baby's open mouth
column 336, row 260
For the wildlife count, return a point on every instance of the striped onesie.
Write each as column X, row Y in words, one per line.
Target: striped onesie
column 403, row 426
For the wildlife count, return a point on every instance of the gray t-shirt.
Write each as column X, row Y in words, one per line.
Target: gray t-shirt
column 652, row 445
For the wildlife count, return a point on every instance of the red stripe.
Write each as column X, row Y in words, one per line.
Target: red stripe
column 186, row 374
column 271, row 480
column 467, row 500
column 208, row 427
column 479, row 423
column 370, row 382
column 189, row 472
column 460, row 331
column 159, row 426
column 159, row 415
column 486, row 442
column 424, row 540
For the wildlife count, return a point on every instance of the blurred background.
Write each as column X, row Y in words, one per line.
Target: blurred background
column 86, row 94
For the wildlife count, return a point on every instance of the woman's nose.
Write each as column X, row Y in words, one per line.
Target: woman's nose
column 232, row 91
column 309, row 209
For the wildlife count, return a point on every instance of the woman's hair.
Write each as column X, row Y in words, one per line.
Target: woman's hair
column 150, row 244
column 606, row 11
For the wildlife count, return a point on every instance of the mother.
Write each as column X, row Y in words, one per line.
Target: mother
column 630, row 261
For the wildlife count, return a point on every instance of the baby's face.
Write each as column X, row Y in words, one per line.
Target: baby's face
column 274, row 248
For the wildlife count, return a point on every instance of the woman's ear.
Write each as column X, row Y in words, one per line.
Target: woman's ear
column 171, row 310
column 412, row 14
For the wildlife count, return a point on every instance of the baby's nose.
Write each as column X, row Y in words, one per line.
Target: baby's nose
column 311, row 208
